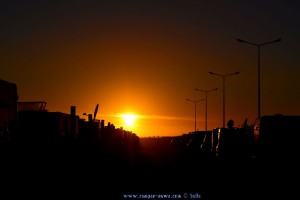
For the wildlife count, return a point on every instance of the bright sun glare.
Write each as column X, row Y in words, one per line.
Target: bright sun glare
column 129, row 119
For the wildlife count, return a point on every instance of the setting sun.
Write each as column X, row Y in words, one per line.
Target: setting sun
column 128, row 119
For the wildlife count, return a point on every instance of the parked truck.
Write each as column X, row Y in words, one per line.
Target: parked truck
column 276, row 137
column 36, row 125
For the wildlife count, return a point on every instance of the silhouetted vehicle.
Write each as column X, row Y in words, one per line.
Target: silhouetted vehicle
column 32, row 105
column 229, row 144
column 178, row 142
column 38, row 126
column 8, row 110
column 208, row 146
column 196, row 141
column 276, row 137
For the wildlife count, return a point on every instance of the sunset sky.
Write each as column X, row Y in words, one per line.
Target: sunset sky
column 147, row 57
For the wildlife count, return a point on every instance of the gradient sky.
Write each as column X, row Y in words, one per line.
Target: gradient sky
column 147, row 57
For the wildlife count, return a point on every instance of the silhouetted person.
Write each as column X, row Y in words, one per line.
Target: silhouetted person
column 230, row 124
column 230, row 146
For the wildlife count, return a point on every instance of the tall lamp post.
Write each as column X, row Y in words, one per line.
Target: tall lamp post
column 258, row 64
column 223, row 77
column 206, row 91
column 195, row 101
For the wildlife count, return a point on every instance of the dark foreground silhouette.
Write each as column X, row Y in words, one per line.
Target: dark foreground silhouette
column 157, row 167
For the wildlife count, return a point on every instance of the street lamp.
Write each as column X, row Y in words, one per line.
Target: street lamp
column 223, row 76
column 195, row 101
column 258, row 53
column 206, row 91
